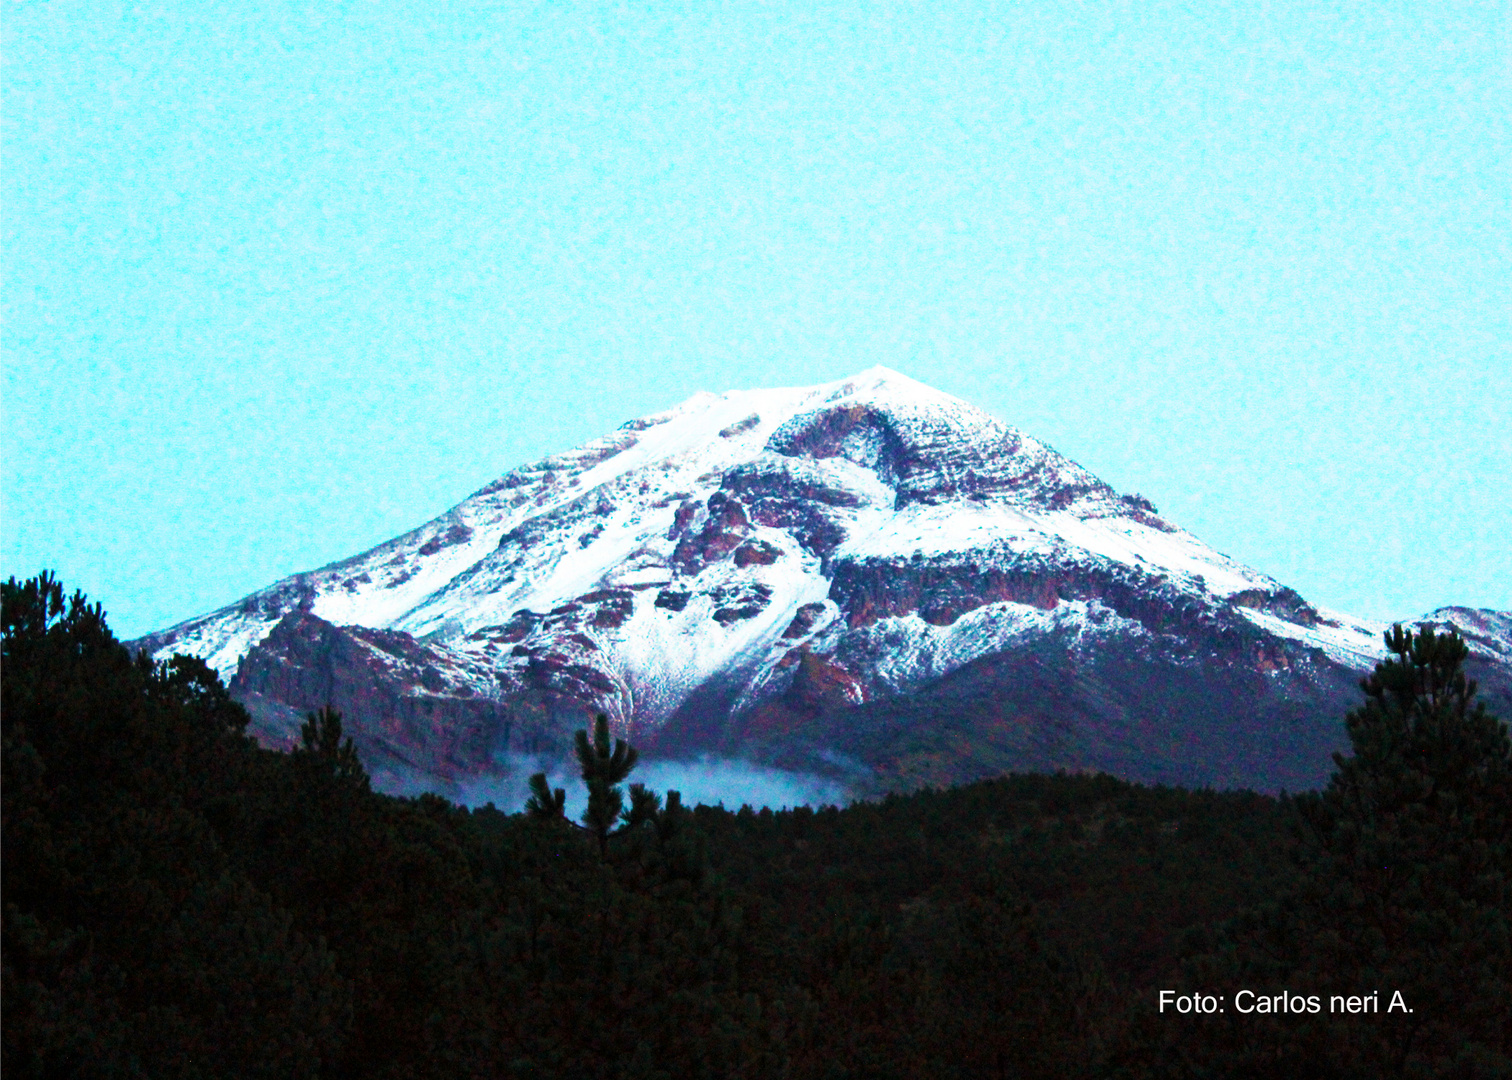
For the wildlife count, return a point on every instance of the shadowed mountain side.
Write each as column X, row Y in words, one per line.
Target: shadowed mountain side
column 1495, row 684
column 422, row 714
column 1150, row 718
column 412, row 709
column 702, row 723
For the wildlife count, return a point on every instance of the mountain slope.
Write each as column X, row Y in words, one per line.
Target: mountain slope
column 867, row 578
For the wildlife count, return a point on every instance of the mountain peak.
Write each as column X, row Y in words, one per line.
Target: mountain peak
column 885, row 385
column 879, row 377
column 877, row 385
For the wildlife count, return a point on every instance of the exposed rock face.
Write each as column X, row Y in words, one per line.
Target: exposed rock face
column 795, row 497
column 725, row 526
column 867, row 578
column 940, row 591
column 412, row 709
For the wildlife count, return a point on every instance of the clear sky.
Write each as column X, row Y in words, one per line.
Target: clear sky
column 282, row 280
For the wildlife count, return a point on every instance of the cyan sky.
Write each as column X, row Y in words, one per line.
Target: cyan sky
column 283, row 280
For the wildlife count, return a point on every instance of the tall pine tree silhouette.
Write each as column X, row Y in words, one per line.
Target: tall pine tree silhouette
column 1408, row 859
column 605, row 762
column 605, row 765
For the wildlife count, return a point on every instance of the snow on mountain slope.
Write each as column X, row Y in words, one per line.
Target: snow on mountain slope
column 771, row 554
column 1487, row 633
column 606, row 515
column 599, row 516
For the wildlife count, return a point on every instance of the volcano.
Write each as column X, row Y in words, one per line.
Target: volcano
column 867, row 579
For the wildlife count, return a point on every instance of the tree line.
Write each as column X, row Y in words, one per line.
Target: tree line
column 178, row 902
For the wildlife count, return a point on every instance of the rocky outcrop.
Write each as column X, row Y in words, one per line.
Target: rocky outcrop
column 1283, row 603
column 756, row 553
column 804, row 620
column 410, row 708
column 742, row 601
column 739, row 427
column 800, row 500
column 859, row 433
column 725, row 526
column 457, row 533
column 933, row 457
column 940, row 591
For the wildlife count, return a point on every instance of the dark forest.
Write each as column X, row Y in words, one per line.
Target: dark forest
column 181, row 903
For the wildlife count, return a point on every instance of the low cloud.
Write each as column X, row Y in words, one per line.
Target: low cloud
column 509, row 788
column 727, row 782
column 733, row 784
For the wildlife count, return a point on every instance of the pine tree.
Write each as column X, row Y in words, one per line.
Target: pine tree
column 604, row 767
column 1402, row 872
column 605, row 763
column 321, row 742
column 545, row 804
column 1409, row 862
column 644, row 808
column 134, row 941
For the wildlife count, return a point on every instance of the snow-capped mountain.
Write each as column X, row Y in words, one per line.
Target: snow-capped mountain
column 869, row 578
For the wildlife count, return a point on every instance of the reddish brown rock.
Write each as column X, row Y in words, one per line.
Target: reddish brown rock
column 725, row 528
column 756, row 553
column 803, row 621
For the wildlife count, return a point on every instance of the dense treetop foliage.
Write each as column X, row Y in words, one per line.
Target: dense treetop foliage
column 181, row 903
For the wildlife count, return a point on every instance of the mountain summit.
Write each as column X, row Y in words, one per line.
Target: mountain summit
column 867, row 578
